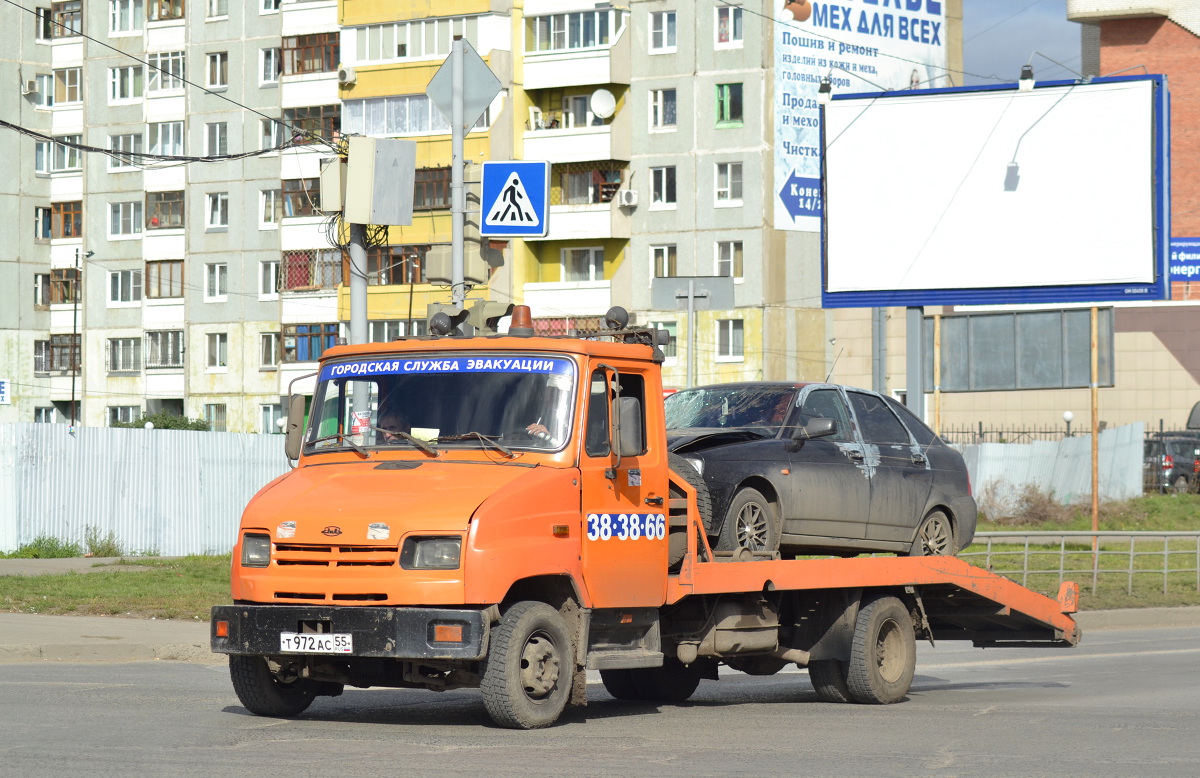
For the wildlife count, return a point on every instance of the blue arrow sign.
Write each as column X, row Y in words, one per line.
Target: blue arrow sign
column 801, row 196
column 515, row 199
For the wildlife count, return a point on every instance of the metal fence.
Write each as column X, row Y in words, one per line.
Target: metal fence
column 1169, row 558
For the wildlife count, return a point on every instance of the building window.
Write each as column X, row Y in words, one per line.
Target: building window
column 579, row 30
column 44, row 22
column 218, row 349
column 729, row 183
column 316, row 53
column 166, row 71
column 122, row 414
column 396, row 265
column 585, row 264
column 217, row 211
column 218, row 8
column 214, row 414
column 663, row 258
column 399, row 115
column 125, row 15
column 68, row 18
column 66, row 219
column 164, row 349
column 269, row 66
column 662, row 108
column 729, row 104
column 124, row 83
column 729, row 339
column 67, row 86
column 662, row 181
column 306, row 342
column 268, row 278
column 124, row 355
column 164, row 210
column 216, row 138
column 216, row 282
column 44, row 415
column 63, row 355
column 43, row 220
column 385, row 331
column 268, row 211
column 125, row 151
column 60, row 156
column 217, row 73
column 320, row 120
column 669, row 349
column 729, row 27
column 166, row 138
column 125, row 286
column 301, row 197
column 41, row 289
column 164, row 278
column 729, row 259
column 311, row 269
column 64, row 285
column 662, row 32
column 270, row 134
column 268, row 6
column 431, row 191
column 417, row 39
column 271, row 415
column 45, row 90
column 268, row 349
column 125, row 218
column 163, row 10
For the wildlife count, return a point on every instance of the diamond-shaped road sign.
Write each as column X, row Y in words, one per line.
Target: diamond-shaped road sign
column 515, row 199
column 480, row 86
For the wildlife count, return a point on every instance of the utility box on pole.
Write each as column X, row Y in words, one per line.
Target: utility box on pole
column 380, row 177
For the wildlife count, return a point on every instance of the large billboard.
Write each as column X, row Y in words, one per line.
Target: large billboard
column 858, row 45
column 1004, row 195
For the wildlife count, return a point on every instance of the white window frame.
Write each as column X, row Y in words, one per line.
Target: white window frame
column 45, row 415
column 269, row 209
column 269, row 415
column 217, row 414
column 164, row 349
column 125, row 84
column 124, row 355
column 165, row 138
column 671, row 348
column 270, row 134
column 72, row 82
column 216, row 10
column 731, row 341
column 216, row 212
column 216, row 70
column 663, row 32
column 268, row 7
column 660, row 187
column 125, row 17
column 216, row 139
column 664, row 256
column 268, row 351
column 43, row 218
column 724, row 194
column 128, row 143
column 216, row 352
column 127, row 218
column 216, row 282
column 124, row 288
column 658, row 110
column 268, row 280
column 45, row 93
column 734, row 21
column 123, row 414
column 726, row 256
column 595, row 264
column 270, row 66
column 170, row 82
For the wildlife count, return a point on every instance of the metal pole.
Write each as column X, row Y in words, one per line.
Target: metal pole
column 76, row 351
column 915, row 394
column 879, row 350
column 937, row 374
column 1095, row 431
column 691, row 313
column 458, row 210
column 358, row 306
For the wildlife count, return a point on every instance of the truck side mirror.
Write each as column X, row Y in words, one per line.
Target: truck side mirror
column 295, row 426
column 630, row 443
column 816, row 428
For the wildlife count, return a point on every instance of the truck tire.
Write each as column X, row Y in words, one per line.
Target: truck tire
column 935, row 537
column 673, row 682
column 883, row 659
column 621, row 684
column 528, row 671
column 677, row 538
column 265, row 695
column 828, row 678
column 751, row 522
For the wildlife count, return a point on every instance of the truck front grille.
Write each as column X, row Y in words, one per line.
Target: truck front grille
column 292, row 554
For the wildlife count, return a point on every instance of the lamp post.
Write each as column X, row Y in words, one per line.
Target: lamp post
column 76, row 349
column 1068, row 417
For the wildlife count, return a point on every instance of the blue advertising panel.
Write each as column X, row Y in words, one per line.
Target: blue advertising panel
column 515, row 199
column 1185, row 259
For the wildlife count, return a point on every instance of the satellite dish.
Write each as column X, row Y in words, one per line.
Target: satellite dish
column 602, row 103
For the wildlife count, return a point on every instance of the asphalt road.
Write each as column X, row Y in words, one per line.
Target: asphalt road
column 1123, row 703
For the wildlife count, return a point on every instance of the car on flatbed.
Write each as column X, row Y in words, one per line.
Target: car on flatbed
column 804, row 468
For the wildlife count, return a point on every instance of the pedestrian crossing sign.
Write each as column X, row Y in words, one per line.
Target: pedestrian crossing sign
column 515, row 199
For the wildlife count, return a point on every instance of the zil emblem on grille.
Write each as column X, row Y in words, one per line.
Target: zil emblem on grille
column 332, row 531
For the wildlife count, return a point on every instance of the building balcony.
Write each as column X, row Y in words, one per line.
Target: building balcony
column 588, row 222
column 548, row 138
column 574, row 298
column 579, row 67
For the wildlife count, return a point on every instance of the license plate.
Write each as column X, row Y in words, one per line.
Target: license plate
column 308, row 643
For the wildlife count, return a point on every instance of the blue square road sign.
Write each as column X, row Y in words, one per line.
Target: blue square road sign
column 515, row 199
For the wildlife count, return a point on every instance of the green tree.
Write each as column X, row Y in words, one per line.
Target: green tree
column 165, row 421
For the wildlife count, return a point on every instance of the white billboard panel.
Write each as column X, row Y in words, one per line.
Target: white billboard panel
column 999, row 189
column 858, row 45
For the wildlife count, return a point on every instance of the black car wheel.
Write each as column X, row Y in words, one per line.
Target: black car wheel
column 751, row 522
column 935, row 537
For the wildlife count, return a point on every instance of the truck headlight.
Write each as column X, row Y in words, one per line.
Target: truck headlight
column 430, row 553
column 256, row 550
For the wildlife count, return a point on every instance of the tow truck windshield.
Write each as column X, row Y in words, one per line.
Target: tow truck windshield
column 432, row 403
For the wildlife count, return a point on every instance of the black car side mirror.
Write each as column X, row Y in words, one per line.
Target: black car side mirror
column 816, row 428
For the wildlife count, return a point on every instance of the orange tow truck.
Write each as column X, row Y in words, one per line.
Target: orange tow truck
column 501, row 512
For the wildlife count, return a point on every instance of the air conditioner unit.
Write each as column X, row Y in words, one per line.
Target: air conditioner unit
column 627, row 198
column 29, row 87
column 346, row 75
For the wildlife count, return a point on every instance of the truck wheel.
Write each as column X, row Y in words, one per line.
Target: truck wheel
column 673, row 682
column 677, row 538
column 828, row 678
column 527, row 674
column 884, row 657
column 750, row 523
column 621, row 684
column 935, row 537
column 265, row 695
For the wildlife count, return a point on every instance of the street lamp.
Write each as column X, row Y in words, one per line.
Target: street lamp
column 76, row 349
column 1068, row 417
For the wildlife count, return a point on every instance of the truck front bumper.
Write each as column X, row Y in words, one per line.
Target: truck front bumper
column 378, row 632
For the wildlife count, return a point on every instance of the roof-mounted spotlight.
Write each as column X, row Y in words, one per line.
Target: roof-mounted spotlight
column 1025, row 83
column 825, row 91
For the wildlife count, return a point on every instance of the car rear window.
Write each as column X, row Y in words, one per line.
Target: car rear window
column 879, row 425
column 920, row 432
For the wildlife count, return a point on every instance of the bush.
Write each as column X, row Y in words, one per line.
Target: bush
column 46, row 547
column 165, row 421
column 1000, row 503
column 106, row 546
